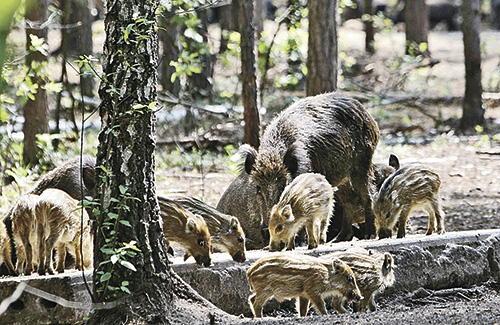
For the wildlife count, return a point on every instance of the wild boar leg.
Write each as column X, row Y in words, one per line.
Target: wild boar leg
column 28, row 258
column 372, row 306
column 258, row 301
column 319, row 303
column 303, row 306
column 337, row 303
column 403, row 219
column 323, row 231
column 432, row 220
column 438, row 210
column 312, row 241
column 344, row 193
column 61, row 257
column 361, row 184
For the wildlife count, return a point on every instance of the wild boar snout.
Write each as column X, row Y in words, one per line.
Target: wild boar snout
column 239, row 257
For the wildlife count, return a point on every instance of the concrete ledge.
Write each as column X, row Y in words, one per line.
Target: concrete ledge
column 457, row 259
column 435, row 262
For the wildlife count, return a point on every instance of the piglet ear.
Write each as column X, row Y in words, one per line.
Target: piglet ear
column 190, row 226
column 288, row 213
column 336, row 265
column 394, row 161
column 234, row 223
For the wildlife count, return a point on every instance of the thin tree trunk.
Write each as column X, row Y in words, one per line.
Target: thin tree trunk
column 228, row 16
column 77, row 38
column 473, row 111
column 249, row 73
column 369, row 30
column 417, row 27
column 169, row 37
column 322, row 54
column 201, row 83
column 128, row 210
column 36, row 120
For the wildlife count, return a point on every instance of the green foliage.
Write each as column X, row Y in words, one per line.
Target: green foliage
column 117, row 255
column 194, row 48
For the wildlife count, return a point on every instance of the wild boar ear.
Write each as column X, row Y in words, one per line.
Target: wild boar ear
column 250, row 155
column 394, row 161
column 234, row 223
column 291, row 161
column 387, row 265
column 287, row 212
column 336, row 265
column 190, row 226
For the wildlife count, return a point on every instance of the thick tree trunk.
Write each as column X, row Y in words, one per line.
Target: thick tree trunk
column 128, row 209
column 369, row 29
column 36, row 119
column 473, row 111
column 249, row 73
column 322, row 54
column 417, row 27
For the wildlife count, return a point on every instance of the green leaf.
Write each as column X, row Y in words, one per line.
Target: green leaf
column 107, row 251
column 125, row 289
column 3, row 115
column 128, row 265
column 127, row 32
column 122, row 188
column 125, row 283
column 126, row 223
column 105, row 277
column 114, row 259
column 112, row 215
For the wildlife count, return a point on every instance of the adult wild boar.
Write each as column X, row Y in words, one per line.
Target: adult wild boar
column 67, row 178
column 326, row 134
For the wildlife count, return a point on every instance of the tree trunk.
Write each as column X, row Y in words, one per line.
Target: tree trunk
column 228, row 16
column 36, row 119
column 169, row 37
column 473, row 111
column 322, row 54
column 9, row 10
column 202, row 83
column 249, row 73
column 128, row 209
column 368, row 23
column 417, row 27
column 260, row 15
column 77, row 38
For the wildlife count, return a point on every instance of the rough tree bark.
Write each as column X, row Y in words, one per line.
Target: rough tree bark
column 126, row 152
column 249, row 73
column 322, row 54
column 473, row 111
column 417, row 26
column 35, row 111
